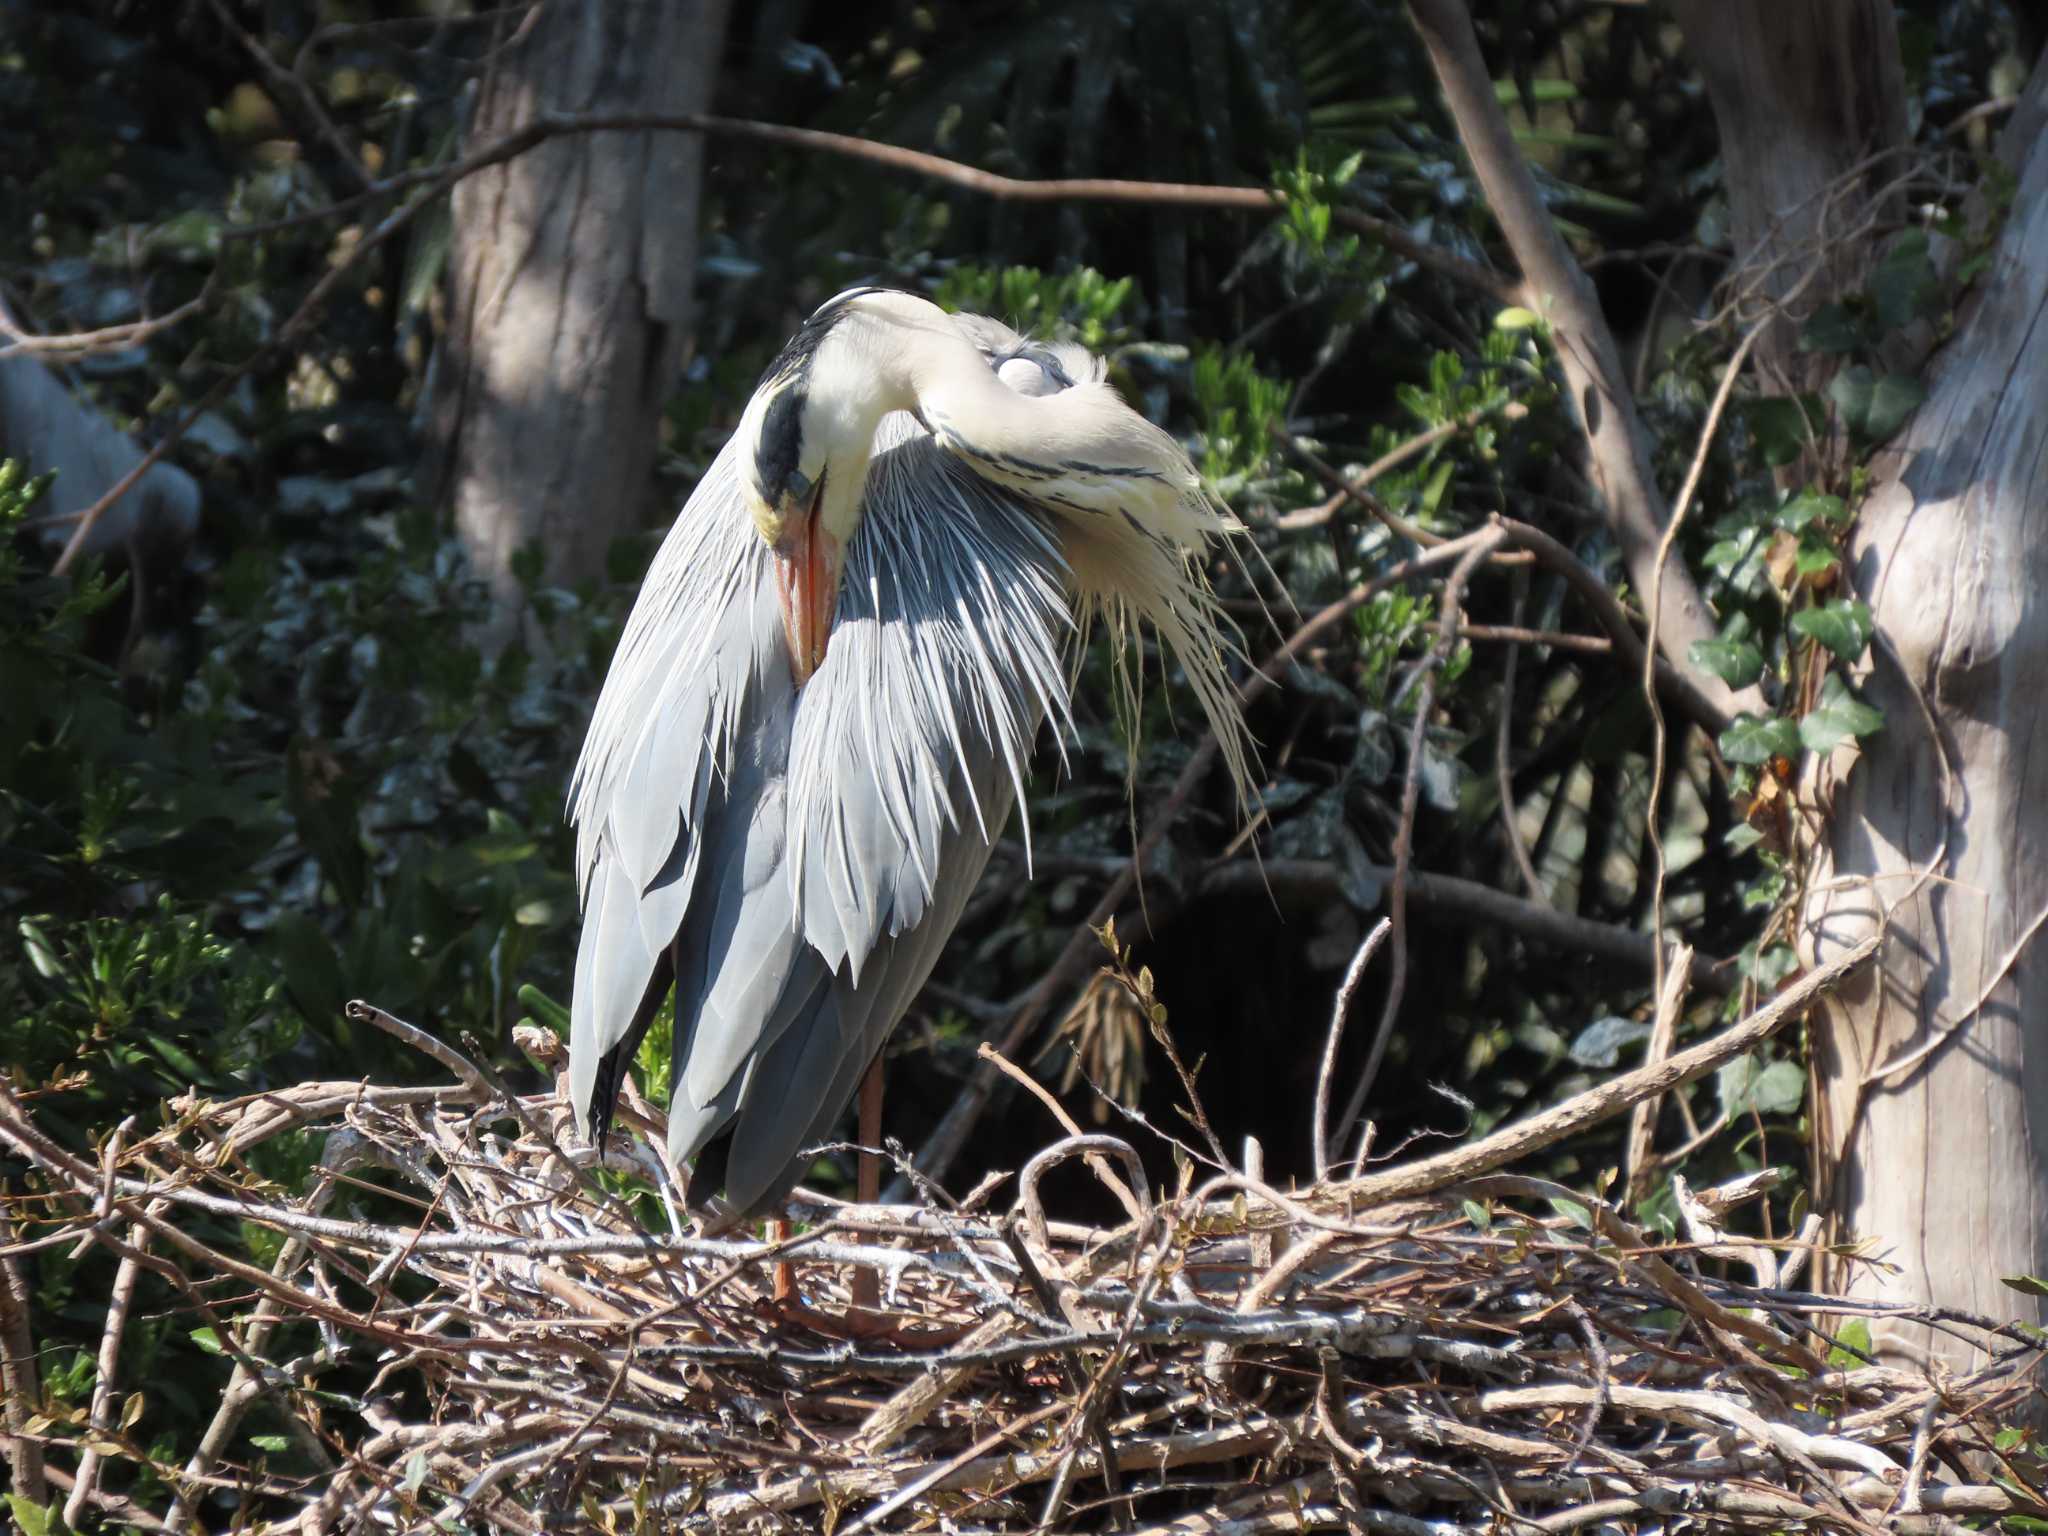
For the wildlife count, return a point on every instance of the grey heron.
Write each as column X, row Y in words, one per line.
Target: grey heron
column 822, row 705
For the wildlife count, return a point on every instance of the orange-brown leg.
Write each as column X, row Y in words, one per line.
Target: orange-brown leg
column 785, row 1272
column 866, row 1288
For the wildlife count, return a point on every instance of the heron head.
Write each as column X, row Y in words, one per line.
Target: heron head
column 791, row 464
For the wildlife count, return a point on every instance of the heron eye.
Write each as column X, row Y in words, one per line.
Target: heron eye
column 798, row 486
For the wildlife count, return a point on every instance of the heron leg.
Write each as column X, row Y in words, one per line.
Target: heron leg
column 866, row 1289
column 785, row 1272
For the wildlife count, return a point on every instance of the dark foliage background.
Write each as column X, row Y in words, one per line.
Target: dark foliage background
column 244, row 781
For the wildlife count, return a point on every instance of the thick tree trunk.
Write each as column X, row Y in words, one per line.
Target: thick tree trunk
column 1810, row 102
column 1933, row 1108
column 1940, row 1161
column 570, row 281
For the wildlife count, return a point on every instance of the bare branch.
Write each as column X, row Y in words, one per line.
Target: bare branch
column 1618, row 444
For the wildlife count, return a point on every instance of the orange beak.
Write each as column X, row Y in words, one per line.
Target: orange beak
column 807, row 564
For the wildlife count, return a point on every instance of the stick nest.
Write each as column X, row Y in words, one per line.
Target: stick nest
column 547, row 1345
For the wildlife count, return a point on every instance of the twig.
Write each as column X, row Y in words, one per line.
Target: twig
column 1658, row 743
column 1663, row 1033
column 120, row 1296
column 1599, row 598
column 72, row 345
column 1353, row 974
column 1038, row 1090
column 1355, row 490
column 1353, row 487
column 1049, row 1374
column 1618, row 444
column 1504, row 784
column 18, row 1376
column 292, row 87
column 1411, row 795
column 1611, row 1098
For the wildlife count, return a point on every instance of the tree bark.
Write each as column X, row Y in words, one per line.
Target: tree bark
column 1810, row 101
column 1939, row 1162
column 1932, row 1111
column 570, row 277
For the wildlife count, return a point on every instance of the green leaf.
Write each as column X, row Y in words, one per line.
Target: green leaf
column 1572, row 1212
column 275, row 1444
column 1757, row 739
column 1480, row 1217
column 1516, row 318
column 1903, row 287
column 1852, row 1345
column 1771, row 966
column 1897, row 396
column 1833, row 328
column 1874, row 408
column 1433, row 493
column 545, row 1008
column 1742, row 837
column 1782, row 428
column 2026, row 1285
column 1738, row 663
column 1837, row 717
column 40, row 954
column 1774, row 1088
column 33, row 1519
column 1816, row 553
column 1850, row 390
column 208, row 1340
column 1843, row 627
column 1804, row 506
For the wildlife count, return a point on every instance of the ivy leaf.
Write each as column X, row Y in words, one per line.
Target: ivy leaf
column 1770, row 967
column 1833, row 328
column 1746, row 1084
column 1897, row 397
column 1850, row 390
column 1601, row 1042
column 1903, row 286
column 1838, row 717
column 1742, row 837
column 1738, row 663
column 1814, row 555
column 1842, row 627
column 1782, row 428
column 1873, row 408
column 1754, row 739
column 1804, row 506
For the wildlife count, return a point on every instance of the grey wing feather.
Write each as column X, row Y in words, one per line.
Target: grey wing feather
column 815, row 1072
column 663, row 725
column 800, row 856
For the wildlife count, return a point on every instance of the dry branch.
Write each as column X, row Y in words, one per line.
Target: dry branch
column 1618, row 443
